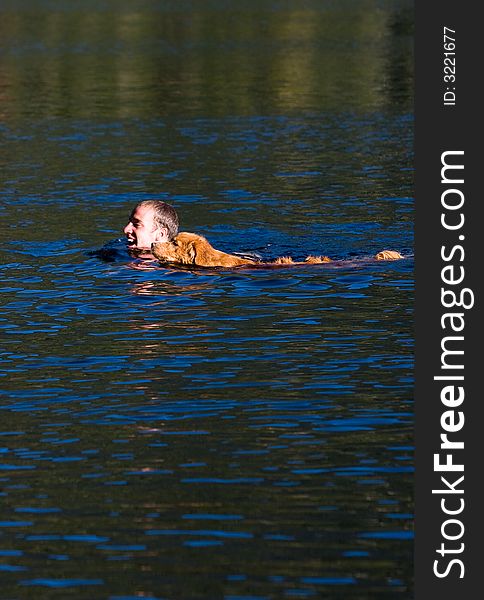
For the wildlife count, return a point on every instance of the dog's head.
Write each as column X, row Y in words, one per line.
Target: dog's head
column 183, row 249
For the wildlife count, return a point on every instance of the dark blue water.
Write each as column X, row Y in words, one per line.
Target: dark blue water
column 177, row 433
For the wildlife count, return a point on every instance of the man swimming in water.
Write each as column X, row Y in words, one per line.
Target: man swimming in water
column 150, row 221
column 156, row 221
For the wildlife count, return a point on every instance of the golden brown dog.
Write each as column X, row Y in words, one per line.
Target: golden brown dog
column 192, row 249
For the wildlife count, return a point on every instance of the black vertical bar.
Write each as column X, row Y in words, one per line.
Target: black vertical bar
column 448, row 118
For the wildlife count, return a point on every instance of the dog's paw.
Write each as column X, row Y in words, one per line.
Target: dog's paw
column 388, row 255
column 317, row 259
column 283, row 260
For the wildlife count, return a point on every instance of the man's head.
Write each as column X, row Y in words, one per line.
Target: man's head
column 151, row 221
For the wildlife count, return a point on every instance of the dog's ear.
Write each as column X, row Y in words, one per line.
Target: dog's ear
column 191, row 251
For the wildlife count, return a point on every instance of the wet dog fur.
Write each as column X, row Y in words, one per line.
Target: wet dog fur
column 194, row 250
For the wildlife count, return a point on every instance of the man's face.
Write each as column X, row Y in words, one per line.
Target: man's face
column 142, row 231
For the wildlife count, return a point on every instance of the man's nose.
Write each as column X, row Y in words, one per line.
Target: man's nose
column 128, row 228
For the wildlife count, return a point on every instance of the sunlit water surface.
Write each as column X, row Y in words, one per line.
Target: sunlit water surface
column 206, row 433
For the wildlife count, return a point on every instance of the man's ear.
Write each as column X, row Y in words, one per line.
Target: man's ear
column 161, row 235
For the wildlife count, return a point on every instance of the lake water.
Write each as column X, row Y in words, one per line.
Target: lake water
column 206, row 434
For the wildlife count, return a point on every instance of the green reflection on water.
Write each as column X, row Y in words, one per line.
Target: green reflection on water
column 119, row 59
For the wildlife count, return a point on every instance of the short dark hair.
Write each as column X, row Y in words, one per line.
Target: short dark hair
column 164, row 215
